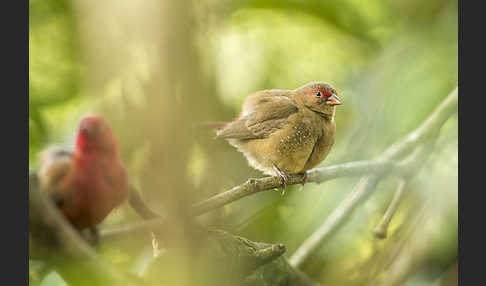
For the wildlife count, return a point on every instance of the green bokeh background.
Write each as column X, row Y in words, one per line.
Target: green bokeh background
column 392, row 62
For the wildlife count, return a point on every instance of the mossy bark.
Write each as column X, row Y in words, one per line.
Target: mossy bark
column 226, row 259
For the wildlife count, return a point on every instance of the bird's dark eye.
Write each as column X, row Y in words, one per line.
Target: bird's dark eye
column 318, row 93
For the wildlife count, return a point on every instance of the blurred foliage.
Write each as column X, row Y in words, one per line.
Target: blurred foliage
column 391, row 61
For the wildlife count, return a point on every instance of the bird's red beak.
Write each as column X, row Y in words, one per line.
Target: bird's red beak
column 333, row 100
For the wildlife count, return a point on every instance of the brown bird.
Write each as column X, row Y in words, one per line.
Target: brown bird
column 284, row 132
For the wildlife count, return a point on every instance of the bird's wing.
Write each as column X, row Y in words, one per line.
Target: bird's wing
column 266, row 115
column 55, row 165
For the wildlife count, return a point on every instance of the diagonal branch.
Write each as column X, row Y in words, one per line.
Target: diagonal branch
column 54, row 240
column 432, row 124
column 381, row 229
column 420, row 155
column 429, row 128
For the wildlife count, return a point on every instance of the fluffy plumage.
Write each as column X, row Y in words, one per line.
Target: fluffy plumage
column 285, row 131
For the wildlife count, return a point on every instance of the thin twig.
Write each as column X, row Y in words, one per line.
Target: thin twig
column 141, row 227
column 416, row 160
column 381, row 229
column 364, row 188
column 140, row 207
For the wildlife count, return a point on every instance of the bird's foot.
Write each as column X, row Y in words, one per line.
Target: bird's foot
column 284, row 176
column 304, row 178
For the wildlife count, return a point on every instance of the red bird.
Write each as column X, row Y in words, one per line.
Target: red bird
column 88, row 183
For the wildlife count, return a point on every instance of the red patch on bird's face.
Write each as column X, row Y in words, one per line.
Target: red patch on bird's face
column 325, row 93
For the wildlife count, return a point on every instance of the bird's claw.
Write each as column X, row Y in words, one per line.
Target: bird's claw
column 284, row 176
column 285, row 179
column 304, row 179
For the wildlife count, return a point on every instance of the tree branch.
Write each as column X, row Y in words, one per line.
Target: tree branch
column 432, row 124
column 364, row 188
column 429, row 128
column 222, row 258
column 139, row 205
column 318, row 175
column 52, row 239
column 381, row 229
column 416, row 159
column 252, row 186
